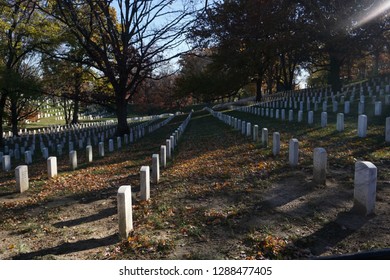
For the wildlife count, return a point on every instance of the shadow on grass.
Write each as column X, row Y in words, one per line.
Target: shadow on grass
column 333, row 232
column 98, row 216
column 67, row 248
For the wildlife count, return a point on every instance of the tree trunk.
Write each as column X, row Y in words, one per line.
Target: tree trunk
column 75, row 116
column 14, row 117
column 334, row 73
column 259, row 82
column 121, row 114
column 2, row 107
column 67, row 110
column 77, row 92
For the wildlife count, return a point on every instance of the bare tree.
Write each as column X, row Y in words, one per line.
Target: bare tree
column 125, row 40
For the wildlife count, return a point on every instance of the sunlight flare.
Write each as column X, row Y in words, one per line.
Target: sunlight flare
column 377, row 10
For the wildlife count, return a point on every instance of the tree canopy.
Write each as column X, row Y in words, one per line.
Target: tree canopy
column 270, row 42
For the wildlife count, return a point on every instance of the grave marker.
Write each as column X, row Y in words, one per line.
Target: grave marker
column 145, row 182
column 362, row 126
column 125, row 211
column 293, row 152
column 319, row 166
column 310, row 117
column 340, row 122
column 119, row 142
column 276, row 143
column 255, row 133
column 89, row 153
column 21, row 174
column 378, row 108
column 101, row 149
column 248, row 129
column 365, row 187
column 73, row 159
column 28, row 157
column 324, row 119
column 264, row 137
column 52, row 167
column 155, row 169
column 163, row 156
column 45, row 153
column 110, row 145
column 168, row 145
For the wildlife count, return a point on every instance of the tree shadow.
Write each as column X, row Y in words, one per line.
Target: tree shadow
column 66, row 248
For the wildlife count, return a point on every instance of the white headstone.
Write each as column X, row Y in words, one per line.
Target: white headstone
column 163, row 156
column 89, row 153
column 319, row 166
column 325, row 106
column 28, row 157
column 21, row 174
column 276, row 143
column 145, row 182
column 248, row 129
column 290, row 115
column 101, row 149
column 110, row 145
column 324, row 119
column 264, row 137
column 155, row 169
column 283, row 114
column 172, row 138
column 52, row 167
column 255, row 133
column 169, row 149
column 243, row 127
column 378, row 108
column 340, row 122
column 293, row 152
column 310, row 117
column 362, row 126
column 365, row 187
column 125, row 211
column 335, row 106
column 45, row 153
column 73, row 159
column 300, row 116
column 387, row 99
column 6, row 163
column 119, row 142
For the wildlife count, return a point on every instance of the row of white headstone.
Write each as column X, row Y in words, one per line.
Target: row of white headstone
column 365, row 176
column 264, row 110
column 375, row 86
column 124, row 195
column 84, row 137
column 361, row 128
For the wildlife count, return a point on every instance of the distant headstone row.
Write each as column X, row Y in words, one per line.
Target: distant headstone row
column 54, row 141
column 370, row 89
